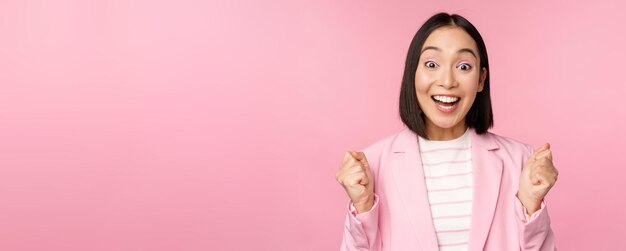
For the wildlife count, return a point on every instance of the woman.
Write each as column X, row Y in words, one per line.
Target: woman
column 445, row 182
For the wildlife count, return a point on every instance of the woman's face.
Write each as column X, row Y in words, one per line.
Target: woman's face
column 447, row 78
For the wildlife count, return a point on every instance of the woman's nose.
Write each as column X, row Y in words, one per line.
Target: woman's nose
column 447, row 78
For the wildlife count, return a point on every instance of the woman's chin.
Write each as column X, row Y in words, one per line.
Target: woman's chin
column 445, row 124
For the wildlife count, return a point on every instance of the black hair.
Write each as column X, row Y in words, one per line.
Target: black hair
column 480, row 115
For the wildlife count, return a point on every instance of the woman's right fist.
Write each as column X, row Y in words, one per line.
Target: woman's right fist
column 356, row 178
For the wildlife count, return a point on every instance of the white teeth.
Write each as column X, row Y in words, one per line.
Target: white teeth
column 446, row 99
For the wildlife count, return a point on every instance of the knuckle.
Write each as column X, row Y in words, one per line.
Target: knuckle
column 339, row 177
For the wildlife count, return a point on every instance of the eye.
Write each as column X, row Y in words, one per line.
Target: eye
column 430, row 64
column 465, row 67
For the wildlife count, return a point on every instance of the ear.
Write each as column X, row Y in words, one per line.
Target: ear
column 483, row 76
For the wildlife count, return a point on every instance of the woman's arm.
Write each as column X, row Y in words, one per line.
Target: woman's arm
column 535, row 232
column 537, row 177
column 361, row 229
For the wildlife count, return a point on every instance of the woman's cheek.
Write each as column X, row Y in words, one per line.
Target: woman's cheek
column 422, row 82
column 468, row 78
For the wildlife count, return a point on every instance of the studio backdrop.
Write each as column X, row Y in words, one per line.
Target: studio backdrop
column 219, row 125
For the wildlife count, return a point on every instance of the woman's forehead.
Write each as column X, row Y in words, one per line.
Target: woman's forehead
column 450, row 39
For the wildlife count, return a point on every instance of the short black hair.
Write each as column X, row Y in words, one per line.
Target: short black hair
column 480, row 115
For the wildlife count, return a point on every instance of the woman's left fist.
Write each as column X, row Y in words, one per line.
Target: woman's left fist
column 536, row 179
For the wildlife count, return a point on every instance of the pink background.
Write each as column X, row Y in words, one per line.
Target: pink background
column 189, row 125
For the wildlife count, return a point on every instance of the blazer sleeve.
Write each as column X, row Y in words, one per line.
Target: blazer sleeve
column 361, row 230
column 535, row 232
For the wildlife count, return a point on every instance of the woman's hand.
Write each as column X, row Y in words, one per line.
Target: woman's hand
column 538, row 176
column 356, row 178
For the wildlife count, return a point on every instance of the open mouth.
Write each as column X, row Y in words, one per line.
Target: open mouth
column 446, row 103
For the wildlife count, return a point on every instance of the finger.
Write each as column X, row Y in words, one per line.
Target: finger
column 356, row 178
column 547, row 179
column 347, row 156
column 545, row 154
column 355, row 168
column 541, row 148
column 364, row 180
column 350, row 166
column 357, row 155
column 360, row 156
column 544, row 164
column 550, row 173
column 349, row 159
column 538, row 178
column 551, row 180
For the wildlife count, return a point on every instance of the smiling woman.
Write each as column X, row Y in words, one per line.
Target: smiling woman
column 451, row 52
column 445, row 182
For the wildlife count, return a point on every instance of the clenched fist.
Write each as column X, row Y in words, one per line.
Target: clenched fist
column 356, row 178
column 536, row 179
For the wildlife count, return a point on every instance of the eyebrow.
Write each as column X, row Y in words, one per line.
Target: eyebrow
column 459, row 51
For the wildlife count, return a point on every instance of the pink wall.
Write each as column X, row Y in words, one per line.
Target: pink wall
column 181, row 125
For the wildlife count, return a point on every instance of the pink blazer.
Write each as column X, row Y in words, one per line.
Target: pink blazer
column 401, row 218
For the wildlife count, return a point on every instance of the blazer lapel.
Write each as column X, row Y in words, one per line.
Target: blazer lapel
column 487, row 174
column 408, row 174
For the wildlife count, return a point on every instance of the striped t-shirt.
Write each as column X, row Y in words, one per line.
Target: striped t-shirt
column 448, row 174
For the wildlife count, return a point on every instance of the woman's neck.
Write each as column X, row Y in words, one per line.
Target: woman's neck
column 436, row 133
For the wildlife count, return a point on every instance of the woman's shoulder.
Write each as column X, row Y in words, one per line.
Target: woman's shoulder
column 510, row 144
column 385, row 144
